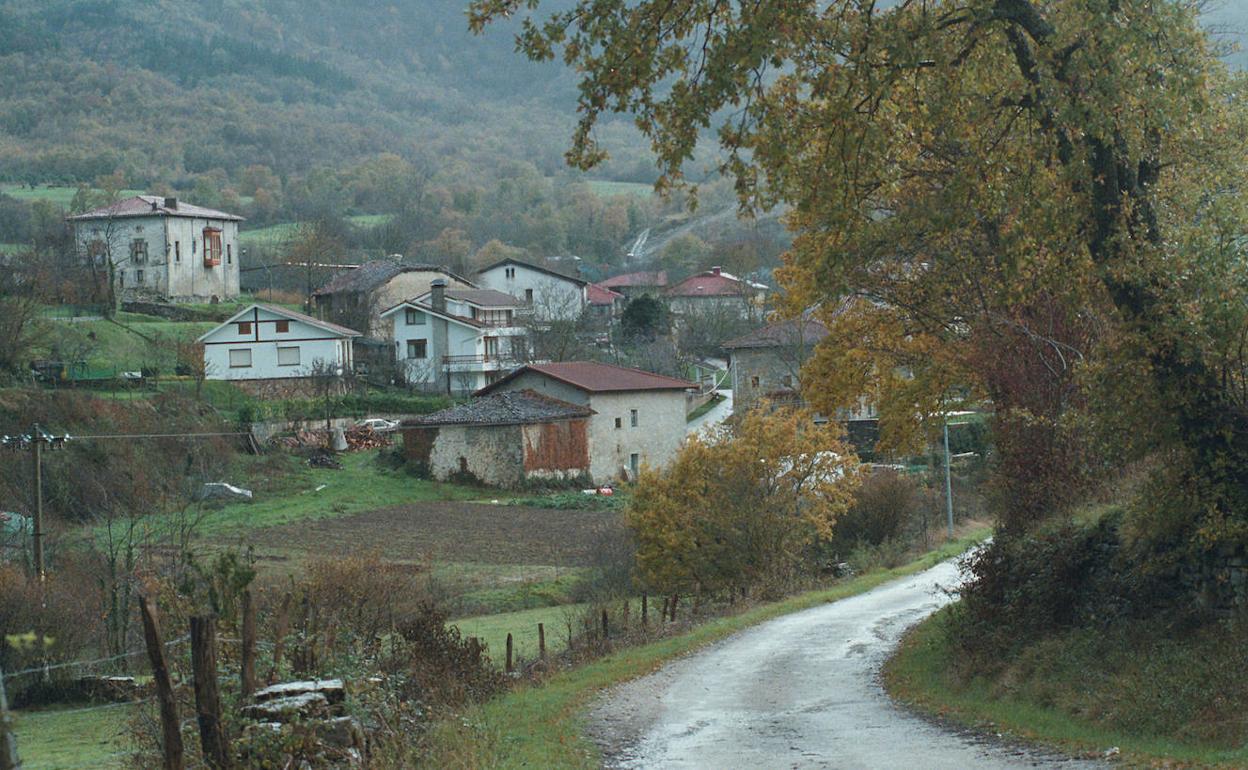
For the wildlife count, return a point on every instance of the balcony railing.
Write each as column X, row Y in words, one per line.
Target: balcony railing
column 497, row 358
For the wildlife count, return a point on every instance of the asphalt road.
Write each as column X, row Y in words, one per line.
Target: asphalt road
column 801, row 691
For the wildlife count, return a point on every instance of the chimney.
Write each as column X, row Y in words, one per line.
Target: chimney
column 437, row 298
column 155, row 205
column 171, row 203
column 716, row 270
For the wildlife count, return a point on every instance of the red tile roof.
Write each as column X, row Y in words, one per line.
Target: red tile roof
column 152, row 205
column 645, row 278
column 807, row 331
column 714, row 283
column 593, row 377
column 601, row 295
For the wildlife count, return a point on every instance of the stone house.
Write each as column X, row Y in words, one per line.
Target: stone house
column 549, row 296
column 357, row 297
column 504, row 440
column 267, row 342
column 605, row 305
column 162, row 249
column 638, row 417
column 634, row 285
column 714, row 291
column 455, row 341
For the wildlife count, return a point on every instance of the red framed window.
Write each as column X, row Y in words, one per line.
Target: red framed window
column 212, row 247
column 281, row 326
column 244, row 327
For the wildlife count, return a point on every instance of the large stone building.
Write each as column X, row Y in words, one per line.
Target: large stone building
column 504, row 440
column 639, row 417
column 357, row 297
column 162, row 249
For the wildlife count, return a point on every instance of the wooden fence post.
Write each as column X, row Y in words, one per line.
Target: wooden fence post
column 207, row 698
column 279, row 644
column 645, row 610
column 170, row 728
column 509, row 667
column 663, row 614
column 604, row 623
column 675, row 601
column 541, row 641
column 247, row 672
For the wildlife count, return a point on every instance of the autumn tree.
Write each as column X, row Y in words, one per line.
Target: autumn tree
column 737, row 509
column 972, row 169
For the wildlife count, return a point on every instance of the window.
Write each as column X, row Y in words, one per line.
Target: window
column 414, row 317
column 619, row 423
column 177, row 251
column 753, row 382
column 632, row 418
column 138, row 276
column 240, row 358
column 281, row 327
column 244, row 327
column 288, row 356
column 212, row 247
column 138, row 251
column 229, row 254
column 510, row 272
column 528, row 296
column 787, row 380
column 417, row 349
column 634, row 464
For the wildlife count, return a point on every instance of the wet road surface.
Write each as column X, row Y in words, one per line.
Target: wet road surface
column 801, row 691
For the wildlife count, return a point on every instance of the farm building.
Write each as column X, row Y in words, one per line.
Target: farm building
column 358, row 296
column 162, row 248
column 638, row 417
column 549, row 295
column 266, row 342
column 503, row 440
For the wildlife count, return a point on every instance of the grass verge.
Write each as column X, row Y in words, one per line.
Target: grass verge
column 1076, row 689
column 541, row 725
column 68, row 739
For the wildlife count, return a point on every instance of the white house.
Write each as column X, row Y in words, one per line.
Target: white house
column 549, row 295
column 456, row 340
column 162, row 248
column 638, row 417
column 265, row 342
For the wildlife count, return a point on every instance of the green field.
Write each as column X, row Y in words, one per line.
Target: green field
column 70, row 739
column 282, row 231
column 607, row 189
column 61, row 195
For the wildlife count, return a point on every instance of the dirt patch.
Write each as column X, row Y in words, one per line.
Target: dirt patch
column 446, row 532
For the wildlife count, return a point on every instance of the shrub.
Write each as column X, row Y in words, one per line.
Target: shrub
column 886, row 506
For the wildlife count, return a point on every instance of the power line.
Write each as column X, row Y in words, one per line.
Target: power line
column 84, row 663
column 156, row 435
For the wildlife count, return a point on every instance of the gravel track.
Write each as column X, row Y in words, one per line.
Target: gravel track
column 800, row 691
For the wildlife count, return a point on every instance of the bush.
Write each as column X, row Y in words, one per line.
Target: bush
column 887, row 506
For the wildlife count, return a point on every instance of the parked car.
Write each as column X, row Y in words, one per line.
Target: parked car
column 379, row 424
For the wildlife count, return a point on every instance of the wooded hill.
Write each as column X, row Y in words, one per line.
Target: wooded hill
column 170, row 90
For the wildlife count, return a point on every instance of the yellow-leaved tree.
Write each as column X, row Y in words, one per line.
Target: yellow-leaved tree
column 738, row 508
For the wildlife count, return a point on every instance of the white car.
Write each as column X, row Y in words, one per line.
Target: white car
column 379, row 424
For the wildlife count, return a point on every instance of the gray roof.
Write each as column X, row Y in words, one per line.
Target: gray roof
column 515, row 407
column 152, row 206
column 374, row 273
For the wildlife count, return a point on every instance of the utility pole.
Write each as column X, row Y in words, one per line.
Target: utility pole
column 948, row 483
column 35, row 442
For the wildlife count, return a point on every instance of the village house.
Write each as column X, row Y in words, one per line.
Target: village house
column 549, row 296
column 504, row 439
column 634, row 285
column 162, row 249
column 714, row 291
column 358, row 296
column 605, row 305
column 456, row 341
column 271, row 343
column 638, row 417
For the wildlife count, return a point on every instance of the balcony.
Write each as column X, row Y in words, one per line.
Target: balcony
column 478, row 363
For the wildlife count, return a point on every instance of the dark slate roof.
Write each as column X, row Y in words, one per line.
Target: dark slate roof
column 482, row 297
column 374, row 273
column 774, row 335
column 593, row 377
column 152, row 205
column 517, row 407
